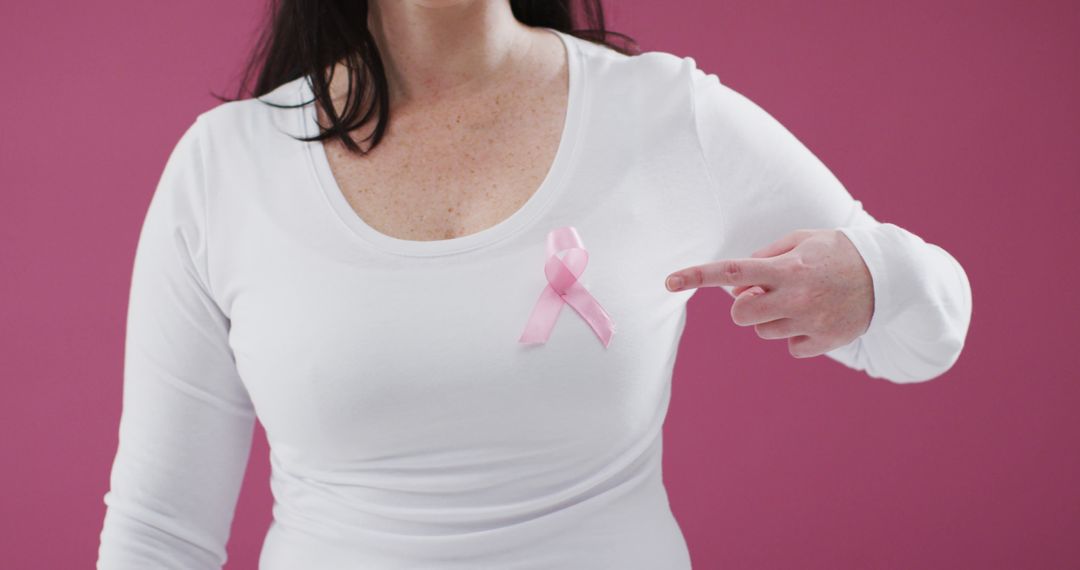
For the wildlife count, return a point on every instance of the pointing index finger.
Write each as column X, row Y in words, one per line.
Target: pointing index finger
column 735, row 272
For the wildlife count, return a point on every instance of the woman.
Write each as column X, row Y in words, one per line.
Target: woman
column 393, row 314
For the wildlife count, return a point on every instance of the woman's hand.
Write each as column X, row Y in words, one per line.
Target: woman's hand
column 810, row 287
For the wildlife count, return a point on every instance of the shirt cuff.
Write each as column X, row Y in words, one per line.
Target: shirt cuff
column 876, row 252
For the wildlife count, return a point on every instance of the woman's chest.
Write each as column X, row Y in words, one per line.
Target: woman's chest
column 352, row 351
column 352, row 359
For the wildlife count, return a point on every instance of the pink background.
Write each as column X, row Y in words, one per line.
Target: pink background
column 956, row 120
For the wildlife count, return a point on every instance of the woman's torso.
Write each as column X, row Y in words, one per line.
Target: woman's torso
column 408, row 426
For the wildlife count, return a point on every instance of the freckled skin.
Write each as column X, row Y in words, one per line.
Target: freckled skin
column 454, row 166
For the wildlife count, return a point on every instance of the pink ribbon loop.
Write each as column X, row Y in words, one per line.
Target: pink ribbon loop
column 563, row 287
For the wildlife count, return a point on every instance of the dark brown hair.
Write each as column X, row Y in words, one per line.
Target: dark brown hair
column 305, row 37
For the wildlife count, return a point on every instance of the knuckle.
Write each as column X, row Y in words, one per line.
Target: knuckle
column 780, row 328
column 771, row 330
column 798, row 263
column 797, row 346
column 691, row 277
column 696, row 276
column 731, row 269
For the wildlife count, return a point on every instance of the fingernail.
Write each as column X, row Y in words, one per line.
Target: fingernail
column 675, row 282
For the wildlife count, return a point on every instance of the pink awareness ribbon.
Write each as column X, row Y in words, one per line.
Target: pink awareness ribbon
column 563, row 287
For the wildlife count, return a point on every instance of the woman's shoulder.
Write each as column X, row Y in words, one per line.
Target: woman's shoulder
column 255, row 122
column 649, row 78
column 648, row 65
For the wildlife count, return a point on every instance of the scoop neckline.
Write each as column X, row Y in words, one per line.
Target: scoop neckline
column 539, row 202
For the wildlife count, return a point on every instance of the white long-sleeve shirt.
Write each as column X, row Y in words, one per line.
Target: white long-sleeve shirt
column 408, row 426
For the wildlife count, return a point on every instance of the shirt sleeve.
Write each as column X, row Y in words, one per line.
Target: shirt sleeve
column 187, row 422
column 767, row 184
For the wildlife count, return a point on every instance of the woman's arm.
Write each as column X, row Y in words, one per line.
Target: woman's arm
column 767, row 184
column 186, row 427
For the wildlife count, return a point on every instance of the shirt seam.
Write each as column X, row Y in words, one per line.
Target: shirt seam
column 712, row 182
column 205, row 261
